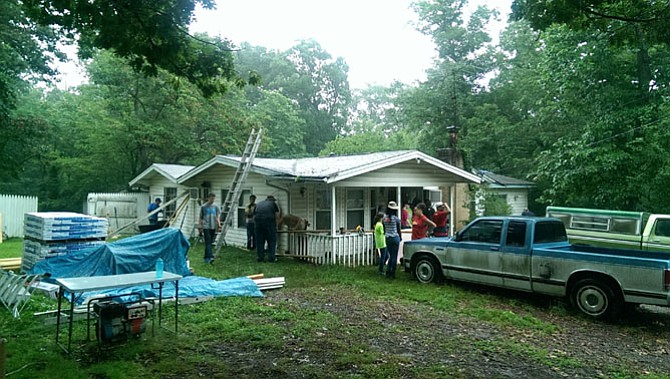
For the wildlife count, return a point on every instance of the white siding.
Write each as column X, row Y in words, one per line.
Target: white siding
column 220, row 178
column 12, row 209
column 118, row 208
column 411, row 174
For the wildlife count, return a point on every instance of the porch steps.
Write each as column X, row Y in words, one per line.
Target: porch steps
column 233, row 195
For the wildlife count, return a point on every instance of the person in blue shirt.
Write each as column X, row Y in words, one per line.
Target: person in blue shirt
column 153, row 219
column 209, row 223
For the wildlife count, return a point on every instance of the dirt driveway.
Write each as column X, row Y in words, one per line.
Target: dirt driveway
column 417, row 341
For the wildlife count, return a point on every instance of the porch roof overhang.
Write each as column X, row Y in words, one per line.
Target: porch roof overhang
column 172, row 172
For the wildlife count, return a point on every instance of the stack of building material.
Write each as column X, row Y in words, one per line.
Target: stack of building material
column 59, row 233
column 270, row 283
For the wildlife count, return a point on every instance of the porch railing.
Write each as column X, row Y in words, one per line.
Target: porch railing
column 349, row 250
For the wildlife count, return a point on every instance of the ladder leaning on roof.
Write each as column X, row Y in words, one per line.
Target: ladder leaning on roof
column 233, row 195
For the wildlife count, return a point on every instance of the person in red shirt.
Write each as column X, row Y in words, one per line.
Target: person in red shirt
column 420, row 223
column 441, row 219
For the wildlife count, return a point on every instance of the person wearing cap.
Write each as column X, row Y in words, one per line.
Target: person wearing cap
column 153, row 219
column 392, row 232
column 266, row 217
column 420, row 222
column 441, row 219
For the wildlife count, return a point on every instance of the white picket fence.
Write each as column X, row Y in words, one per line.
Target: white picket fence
column 349, row 250
column 13, row 208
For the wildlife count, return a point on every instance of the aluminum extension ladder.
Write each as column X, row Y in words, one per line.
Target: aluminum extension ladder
column 233, row 195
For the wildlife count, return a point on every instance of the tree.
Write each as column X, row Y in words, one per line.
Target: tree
column 151, row 34
column 446, row 99
column 308, row 75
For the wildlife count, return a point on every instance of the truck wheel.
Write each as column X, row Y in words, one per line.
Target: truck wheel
column 595, row 299
column 427, row 270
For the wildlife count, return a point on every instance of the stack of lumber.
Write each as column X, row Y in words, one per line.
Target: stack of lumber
column 10, row 263
column 59, row 233
column 267, row 283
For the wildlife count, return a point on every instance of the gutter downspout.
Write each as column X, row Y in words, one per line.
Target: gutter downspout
column 286, row 191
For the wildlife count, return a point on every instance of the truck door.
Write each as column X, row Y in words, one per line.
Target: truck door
column 515, row 256
column 475, row 257
column 659, row 237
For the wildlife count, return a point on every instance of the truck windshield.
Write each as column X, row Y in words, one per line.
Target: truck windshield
column 551, row 231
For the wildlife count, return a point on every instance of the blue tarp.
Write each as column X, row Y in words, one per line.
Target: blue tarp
column 134, row 254
column 139, row 254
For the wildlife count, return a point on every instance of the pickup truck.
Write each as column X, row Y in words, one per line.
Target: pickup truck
column 616, row 229
column 532, row 254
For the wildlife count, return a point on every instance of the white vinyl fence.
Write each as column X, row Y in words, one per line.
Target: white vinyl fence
column 12, row 208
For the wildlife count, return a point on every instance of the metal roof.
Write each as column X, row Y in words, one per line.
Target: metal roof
column 330, row 169
column 171, row 171
column 496, row 180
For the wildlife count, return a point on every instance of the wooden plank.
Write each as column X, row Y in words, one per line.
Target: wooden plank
column 10, row 263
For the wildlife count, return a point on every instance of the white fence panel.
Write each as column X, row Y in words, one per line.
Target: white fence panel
column 349, row 250
column 12, row 208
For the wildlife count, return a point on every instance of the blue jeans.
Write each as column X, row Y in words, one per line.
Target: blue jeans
column 210, row 237
column 383, row 257
column 266, row 232
column 251, row 235
column 393, row 245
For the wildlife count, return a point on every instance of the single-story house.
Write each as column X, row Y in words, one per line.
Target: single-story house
column 333, row 193
column 513, row 191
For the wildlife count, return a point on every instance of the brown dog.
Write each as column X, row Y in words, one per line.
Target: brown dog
column 293, row 222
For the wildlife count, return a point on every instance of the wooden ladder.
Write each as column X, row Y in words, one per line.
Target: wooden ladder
column 233, row 195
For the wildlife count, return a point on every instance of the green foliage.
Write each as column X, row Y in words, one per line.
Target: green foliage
column 11, row 248
column 447, row 98
column 151, row 34
column 309, row 76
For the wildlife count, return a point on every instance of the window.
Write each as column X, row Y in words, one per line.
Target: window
column 486, row 231
column 170, row 193
column 516, row 234
column 323, row 205
column 355, row 208
column 241, row 208
column 549, row 231
column 590, row 223
column 662, row 228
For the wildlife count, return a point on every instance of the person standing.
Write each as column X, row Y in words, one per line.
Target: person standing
column 420, row 222
column 441, row 219
column 209, row 223
column 406, row 217
column 380, row 242
column 266, row 217
column 153, row 219
column 251, row 225
column 393, row 235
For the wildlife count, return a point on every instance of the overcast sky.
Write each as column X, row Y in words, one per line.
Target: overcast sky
column 375, row 37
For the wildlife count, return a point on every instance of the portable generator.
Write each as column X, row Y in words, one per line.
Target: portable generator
column 116, row 321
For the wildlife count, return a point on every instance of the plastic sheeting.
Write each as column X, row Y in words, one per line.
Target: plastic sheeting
column 192, row 286
column 134, row 254
column 139, row 254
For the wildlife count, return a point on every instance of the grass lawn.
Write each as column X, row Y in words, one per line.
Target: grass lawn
column 11, row 248
column 333, row 322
